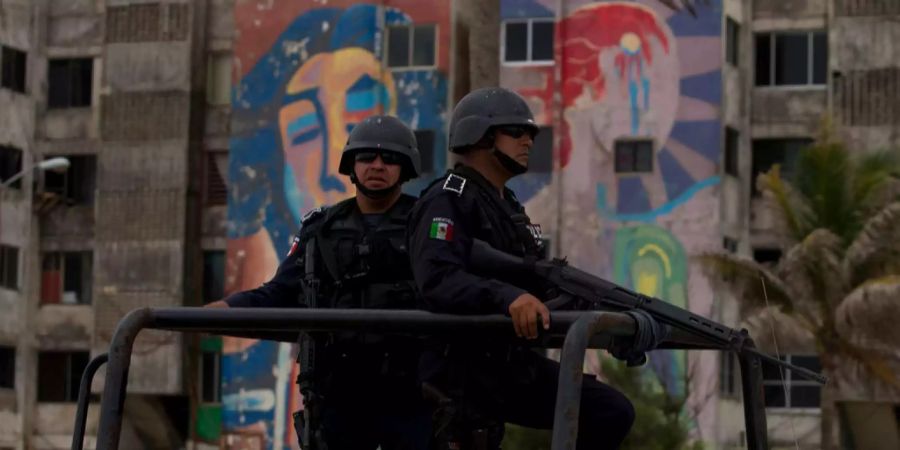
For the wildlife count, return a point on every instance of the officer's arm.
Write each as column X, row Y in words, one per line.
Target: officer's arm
column 440, row 245
column 282, row 291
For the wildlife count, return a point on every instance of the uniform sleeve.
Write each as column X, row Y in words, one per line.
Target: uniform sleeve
column 282, row 291
column 440, row 245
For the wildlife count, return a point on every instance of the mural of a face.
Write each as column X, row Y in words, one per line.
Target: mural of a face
column 324, row 100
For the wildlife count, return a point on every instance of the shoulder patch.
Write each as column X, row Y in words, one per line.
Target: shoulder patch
column 455, row 183
column 313, row 214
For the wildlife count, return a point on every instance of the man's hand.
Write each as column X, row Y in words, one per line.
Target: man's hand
column 524, row 311
column 216, row 304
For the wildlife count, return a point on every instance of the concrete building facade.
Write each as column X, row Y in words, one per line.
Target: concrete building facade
column 655, row 123
column 120, row 89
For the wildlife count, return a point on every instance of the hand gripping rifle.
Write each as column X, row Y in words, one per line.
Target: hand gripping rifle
column 309, row 429
column 589, row 292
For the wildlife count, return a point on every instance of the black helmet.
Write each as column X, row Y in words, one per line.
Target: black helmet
column 383, row 133
column 484, row 108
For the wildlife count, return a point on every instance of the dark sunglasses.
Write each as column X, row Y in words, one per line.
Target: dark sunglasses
column 391, row 158
column 517, row 131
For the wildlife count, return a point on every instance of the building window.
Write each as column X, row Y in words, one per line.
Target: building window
column 767, row 256
column 791, row 58
column 733, row 42
column 768, row 152
column 730, row 244
column 411, row 46
column 213, row 275
column 59, row 375
column 69, row 82
column 540, row 160
column 425, row 141
column 7, row 367
column 210, row 376
column 76, row 184
column 9, row 267
column 12, row 72
column 527, row 41
column 66, row 278
column 10, row 165
column 215, row 189
column 784, row 389
column 729, row 375
column 218, row 79
column 634, row 155
column 732, row 143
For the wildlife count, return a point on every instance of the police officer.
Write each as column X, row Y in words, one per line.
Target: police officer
column 492, row 129
column 366, row 384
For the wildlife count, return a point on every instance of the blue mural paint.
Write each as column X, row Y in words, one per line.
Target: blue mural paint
column 705, row 86
column 650, row 216
column 677, row 180
column 633, row 196
column 708, row 21
column 703, row 136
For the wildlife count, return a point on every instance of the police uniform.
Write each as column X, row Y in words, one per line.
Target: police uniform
column 367, row 384
column 508, row 382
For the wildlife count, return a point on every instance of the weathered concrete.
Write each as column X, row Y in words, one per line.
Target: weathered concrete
column 64, row 327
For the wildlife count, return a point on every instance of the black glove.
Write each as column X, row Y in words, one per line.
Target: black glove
column 648, row 334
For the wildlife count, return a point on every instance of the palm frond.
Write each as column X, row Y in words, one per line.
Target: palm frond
column 873, row 173
column 750, row 282
column 871, row 312
column 823, row 176
column 792, row 210
column 813, row 271
column 876, row 250
column 771, row 329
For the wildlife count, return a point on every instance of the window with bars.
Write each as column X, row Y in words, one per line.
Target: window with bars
column 218, row 79
column 59, row 375
column 13, row 64
column 69, row 82
column 729, row 375
column 411, row 46
column 527, row 41
column 215, row 170
column 791, row 58
column 67, row 278
column 9, row 267
column 77, row 183
column 10, row 165
column 784, row 389
column 634, row 155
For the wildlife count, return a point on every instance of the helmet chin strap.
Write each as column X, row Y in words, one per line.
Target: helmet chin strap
column 513, row 166
column 374, row 194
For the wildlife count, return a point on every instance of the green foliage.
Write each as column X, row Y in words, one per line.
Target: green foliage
column 660, row 421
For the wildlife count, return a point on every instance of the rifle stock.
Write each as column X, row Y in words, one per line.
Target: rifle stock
column 595, row 293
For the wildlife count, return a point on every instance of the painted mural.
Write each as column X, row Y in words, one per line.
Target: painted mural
column 632, row 70
column 306, row 72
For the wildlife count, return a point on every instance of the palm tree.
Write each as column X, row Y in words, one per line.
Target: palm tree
column 838, row 284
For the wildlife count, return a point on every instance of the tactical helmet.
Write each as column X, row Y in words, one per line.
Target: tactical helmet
column 484, row 108
column 383, row 133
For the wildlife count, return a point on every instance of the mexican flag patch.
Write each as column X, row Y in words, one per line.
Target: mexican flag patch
column 441, row 228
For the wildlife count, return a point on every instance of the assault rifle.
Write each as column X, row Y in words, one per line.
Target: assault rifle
column 580, row 290
column 309, row 422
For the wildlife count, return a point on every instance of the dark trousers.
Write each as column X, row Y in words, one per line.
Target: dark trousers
column 368, row 426
column 522, row 390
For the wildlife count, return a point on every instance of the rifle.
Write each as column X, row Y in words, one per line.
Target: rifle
column 594, row 293
column 310, row 429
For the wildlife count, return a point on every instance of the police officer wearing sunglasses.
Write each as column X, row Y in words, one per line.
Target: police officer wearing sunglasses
column 353, row 255
column 493, row 130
